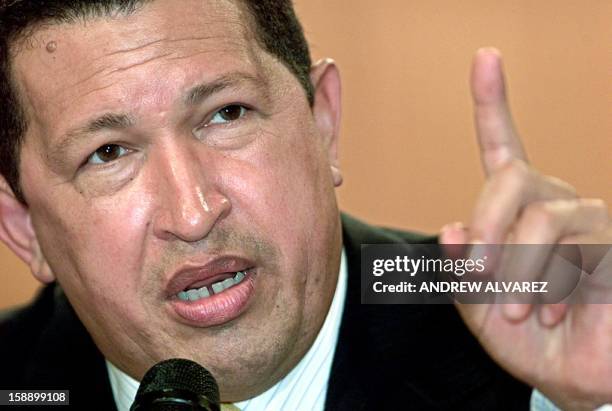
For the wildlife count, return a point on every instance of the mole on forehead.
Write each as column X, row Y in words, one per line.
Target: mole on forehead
column 51, row 46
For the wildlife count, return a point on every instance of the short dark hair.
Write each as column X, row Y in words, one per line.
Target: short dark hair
column 274, row 22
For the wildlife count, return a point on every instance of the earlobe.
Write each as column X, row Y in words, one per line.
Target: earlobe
column 327, row 110
column 39, row 266
column 17, row 233
column 337, row 176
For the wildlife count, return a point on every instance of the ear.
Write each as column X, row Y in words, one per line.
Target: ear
column 327, row 110
column 17, row 233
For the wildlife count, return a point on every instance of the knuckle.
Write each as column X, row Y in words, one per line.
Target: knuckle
column 540, row 214
column 598, row 208
column 564, row 188
column 486, row 226
column 516, row 174
column 595, row 203
column 481, row 230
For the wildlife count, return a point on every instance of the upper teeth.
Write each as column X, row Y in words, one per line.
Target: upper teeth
column 219, row 286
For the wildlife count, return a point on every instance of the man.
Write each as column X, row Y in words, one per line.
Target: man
column 169, row 169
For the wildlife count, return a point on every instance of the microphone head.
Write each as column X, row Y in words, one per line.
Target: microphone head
column 177, row 384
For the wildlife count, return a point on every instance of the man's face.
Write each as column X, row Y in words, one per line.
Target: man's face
column 167, row 152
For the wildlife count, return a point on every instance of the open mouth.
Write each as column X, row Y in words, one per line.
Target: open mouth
column 212, row 286
column 212, row 293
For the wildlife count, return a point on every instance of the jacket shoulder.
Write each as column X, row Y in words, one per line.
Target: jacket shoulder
column 21, row 328
column 45, row 346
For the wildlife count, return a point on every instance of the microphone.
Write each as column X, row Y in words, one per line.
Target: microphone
column 177, row 385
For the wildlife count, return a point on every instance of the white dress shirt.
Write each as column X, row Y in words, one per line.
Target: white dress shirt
column 540, row 403
column 304, row 388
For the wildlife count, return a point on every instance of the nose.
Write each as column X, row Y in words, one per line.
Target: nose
column 190, row 202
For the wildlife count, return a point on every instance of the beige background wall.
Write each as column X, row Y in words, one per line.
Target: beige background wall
column 408, row 150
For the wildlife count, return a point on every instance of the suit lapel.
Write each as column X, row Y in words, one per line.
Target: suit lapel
column 355, row 379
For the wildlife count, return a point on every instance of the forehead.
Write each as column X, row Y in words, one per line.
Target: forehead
column 102, row 59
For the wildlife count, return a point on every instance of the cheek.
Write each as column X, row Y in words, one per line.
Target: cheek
column 284, row 187
column 93, row 247
column 280, row 172
column 82, row 239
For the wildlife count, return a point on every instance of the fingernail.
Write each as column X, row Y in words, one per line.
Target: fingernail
column 458, row 225
column 489, row 50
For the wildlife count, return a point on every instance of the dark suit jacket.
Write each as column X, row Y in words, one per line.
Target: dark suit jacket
column 388, row 357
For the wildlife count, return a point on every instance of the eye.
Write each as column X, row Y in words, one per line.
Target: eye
column 107, row 153
column 228, row 114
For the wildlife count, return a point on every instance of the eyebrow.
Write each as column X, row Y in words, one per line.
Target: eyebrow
column 110, row 121
column 107, row 121
column 201, row 92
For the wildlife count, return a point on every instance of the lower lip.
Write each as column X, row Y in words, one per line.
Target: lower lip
column 218, row 308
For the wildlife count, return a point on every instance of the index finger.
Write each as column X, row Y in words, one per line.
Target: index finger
column 497, row 137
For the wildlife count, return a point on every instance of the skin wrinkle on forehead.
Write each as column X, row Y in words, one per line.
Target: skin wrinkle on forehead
column 167, row 56
column 173, row 53
column 154, row 42
column 120, row 69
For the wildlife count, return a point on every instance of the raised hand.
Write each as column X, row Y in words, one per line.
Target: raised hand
column 563, row 350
